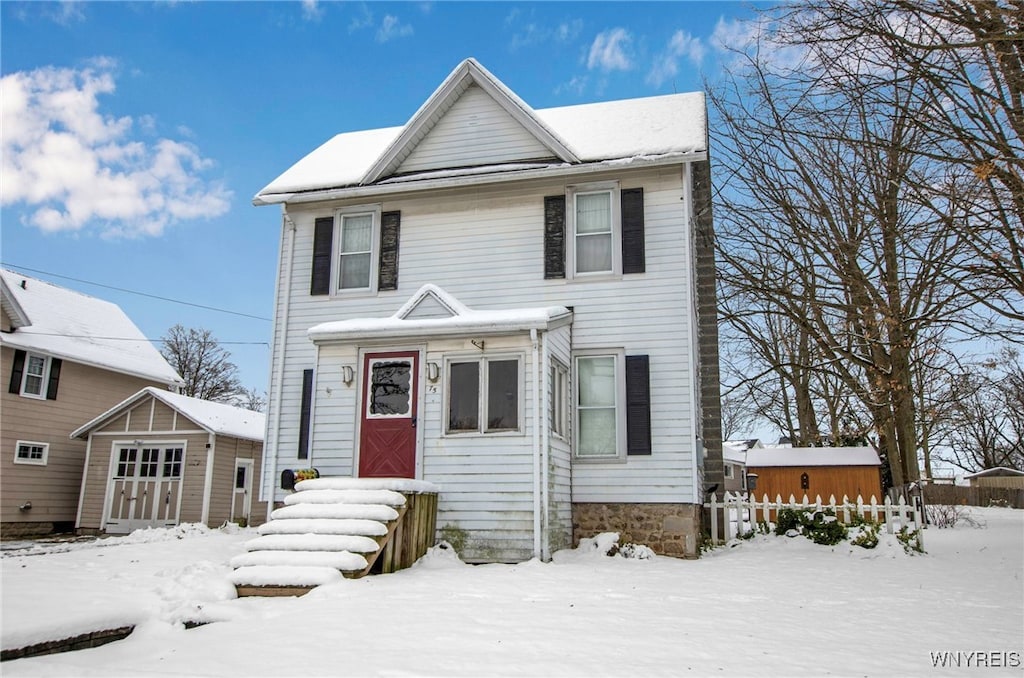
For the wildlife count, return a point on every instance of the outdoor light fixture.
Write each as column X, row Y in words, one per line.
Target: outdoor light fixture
column 433, row 372
column 348, row 375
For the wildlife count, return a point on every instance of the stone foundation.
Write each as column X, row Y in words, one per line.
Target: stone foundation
column 668, row 529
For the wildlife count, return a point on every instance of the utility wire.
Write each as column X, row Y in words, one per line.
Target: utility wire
column 141, row 294
column 158, row 341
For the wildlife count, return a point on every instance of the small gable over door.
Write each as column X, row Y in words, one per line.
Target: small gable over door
column 474, row 131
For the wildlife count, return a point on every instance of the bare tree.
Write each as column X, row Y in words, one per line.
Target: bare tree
column 985, row 426
column 203, row 364
column 833, row 220
column 252, row 399
column 969, row 57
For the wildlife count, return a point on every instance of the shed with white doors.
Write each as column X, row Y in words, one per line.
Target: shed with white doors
column 158, row 459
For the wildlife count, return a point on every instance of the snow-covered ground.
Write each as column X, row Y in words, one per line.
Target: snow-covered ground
column 772, row 606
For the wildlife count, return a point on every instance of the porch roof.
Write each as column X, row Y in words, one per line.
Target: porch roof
column 463, row 324
column 447, row 317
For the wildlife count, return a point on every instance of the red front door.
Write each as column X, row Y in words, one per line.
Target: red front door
column 387, row 439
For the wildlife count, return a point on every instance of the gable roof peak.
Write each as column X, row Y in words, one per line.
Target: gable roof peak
column 468, row 72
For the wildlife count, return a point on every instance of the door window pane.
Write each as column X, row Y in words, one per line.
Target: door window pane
column 240, row 478
column 126, row 462
column 172, row 462
column 502, row 395
column 356, row 246
column 464, row 397
column 389, row 387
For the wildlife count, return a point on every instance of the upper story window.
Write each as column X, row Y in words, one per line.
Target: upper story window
column 356, row 250
column 595, row 220
column 33, row 383
column 594, row 230
column 355, row 260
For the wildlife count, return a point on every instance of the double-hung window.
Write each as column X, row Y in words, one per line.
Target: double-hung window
column 355, row 260
column 33, row 383
column 600, row 411
column 594, row 215
column 29, row 452
column 483, row 395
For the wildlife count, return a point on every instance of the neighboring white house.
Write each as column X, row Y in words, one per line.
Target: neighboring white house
column 504, row 301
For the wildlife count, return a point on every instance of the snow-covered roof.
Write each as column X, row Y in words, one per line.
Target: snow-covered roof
column 733, row 452
column 457, row 320
column 65, row 324
column 812, row 456
column 999, row 471
column 217, row 418
column 615, row 132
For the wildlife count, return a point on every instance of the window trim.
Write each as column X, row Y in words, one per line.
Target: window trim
column 560, row 400
column 483, row 377
column 615, row 199
column 621, row 445
column 31, row 462
column 44, row 378
column 374, row 211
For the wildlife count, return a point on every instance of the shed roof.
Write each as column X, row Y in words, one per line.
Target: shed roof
column 812, row 456
column 999, row 471
column 65, row 324
column 217, row 418
column 615, row 132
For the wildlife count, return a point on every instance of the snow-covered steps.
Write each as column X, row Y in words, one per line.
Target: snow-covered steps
column 333, row 527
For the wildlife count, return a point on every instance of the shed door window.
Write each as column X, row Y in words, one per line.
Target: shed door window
column 172, row 462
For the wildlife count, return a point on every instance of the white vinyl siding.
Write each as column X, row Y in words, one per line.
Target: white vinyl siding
column 474, row 131
column 485, row 246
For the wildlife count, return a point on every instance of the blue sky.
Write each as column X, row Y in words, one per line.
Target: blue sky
column 136, row 134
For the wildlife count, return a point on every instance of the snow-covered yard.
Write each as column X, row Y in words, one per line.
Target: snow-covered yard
column 772, row 606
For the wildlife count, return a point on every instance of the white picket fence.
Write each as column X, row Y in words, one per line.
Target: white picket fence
column 737, row 514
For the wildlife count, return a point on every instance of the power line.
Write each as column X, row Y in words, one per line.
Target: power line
column 141, row 294
column 160, row 341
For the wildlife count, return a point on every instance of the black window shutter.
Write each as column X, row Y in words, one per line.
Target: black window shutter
column 17, row 370
column 632, row 205
column 554, row 236
column 51, row 387
column 323, row 251
column 638, row 404
column 387, row 277
column 304, row 413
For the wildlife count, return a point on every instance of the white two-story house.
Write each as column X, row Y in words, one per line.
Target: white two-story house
column 514, row 304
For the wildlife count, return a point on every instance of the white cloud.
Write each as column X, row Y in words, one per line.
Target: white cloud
column 666, row 64
column 528, row 32
column 741, row 37
column 66, row 12
column 363, row 20
column 311, row 10
column 610, row 51
column 76, row 168
column 574, row 86
column 391, row 27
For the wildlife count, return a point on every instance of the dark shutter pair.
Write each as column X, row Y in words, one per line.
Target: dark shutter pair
column 323, row 253
column 631, row 204
column 18, row 371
